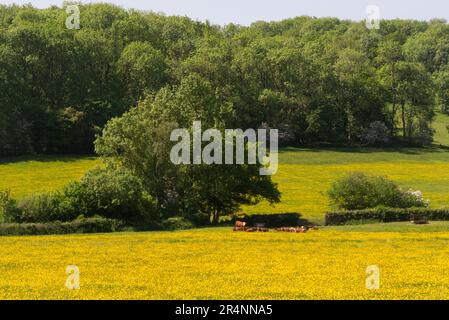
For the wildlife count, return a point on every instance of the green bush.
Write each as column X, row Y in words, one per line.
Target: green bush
column 8, row 206
column 199, row 218
column 84, row 225
column 38, row 208
column 360, row 191
column 177, row 223
column 273, row 220
column 114, row 194
column 384, row 215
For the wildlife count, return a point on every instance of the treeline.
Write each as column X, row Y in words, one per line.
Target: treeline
column 316, row 80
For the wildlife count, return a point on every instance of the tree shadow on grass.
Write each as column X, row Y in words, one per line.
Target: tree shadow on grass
column 275, row 220
column 368, row 150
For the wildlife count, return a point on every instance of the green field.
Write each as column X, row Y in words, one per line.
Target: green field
column 29, row 175
column 304, row 175
column 440, row 124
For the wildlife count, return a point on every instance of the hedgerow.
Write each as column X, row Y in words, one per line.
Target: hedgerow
column 384, row 215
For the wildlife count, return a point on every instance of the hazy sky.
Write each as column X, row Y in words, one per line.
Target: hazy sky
column 247, row 11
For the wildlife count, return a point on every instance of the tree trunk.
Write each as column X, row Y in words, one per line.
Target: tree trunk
column 410, row 124
column 404, row 129
column 215, row 217
column 393, row 118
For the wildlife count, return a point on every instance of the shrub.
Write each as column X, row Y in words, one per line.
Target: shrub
column 83, row 225
column 8, row 206
column 115, row 194
column 199, row 218
column 177, row 223
column 38, row 208
column 413, row 198
column 423, row 134
column 384, row 215
column 377, row 133
column 361, row 191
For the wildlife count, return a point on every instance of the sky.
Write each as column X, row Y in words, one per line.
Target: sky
column 245, row 12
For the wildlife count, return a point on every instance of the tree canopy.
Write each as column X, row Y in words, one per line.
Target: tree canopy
column 317, row 80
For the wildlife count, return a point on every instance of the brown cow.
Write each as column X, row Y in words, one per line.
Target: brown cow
column 240, row 224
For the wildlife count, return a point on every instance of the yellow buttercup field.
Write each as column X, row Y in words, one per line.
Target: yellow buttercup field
column 329, row 263
column 216, row 263
column 24, row 176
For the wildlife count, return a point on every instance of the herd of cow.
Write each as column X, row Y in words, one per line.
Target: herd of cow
column 260, row 227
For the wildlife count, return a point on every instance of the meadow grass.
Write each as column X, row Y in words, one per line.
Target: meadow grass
column 329, row 263
column 440, row 124
column 37, row 174
column 303, row 177
column 402, row 227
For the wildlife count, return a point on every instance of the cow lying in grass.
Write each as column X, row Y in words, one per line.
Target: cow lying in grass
column 242, row 226
column 257, row 229
column 301, row 229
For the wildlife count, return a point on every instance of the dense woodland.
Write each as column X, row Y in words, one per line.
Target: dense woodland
column 316, row 80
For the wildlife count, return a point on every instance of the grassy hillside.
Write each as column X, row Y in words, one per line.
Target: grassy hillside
column 441, row 134
column 220, row 264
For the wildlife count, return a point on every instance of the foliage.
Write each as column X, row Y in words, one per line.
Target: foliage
column 141, row 67
column 177, row 223
column 113, row 194
column 140, row 142
column 360, row 191
column 411, row 96
column 40, row 208
column 377, row 133
column 81, row 225
column 317, row 80
column 384, row 215
column 441, row 80
column 8, row 206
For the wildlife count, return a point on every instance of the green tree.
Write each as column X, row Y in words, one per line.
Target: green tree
column 441, row 80
column 410, row 88
column 141, row 68
column 140, row 141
